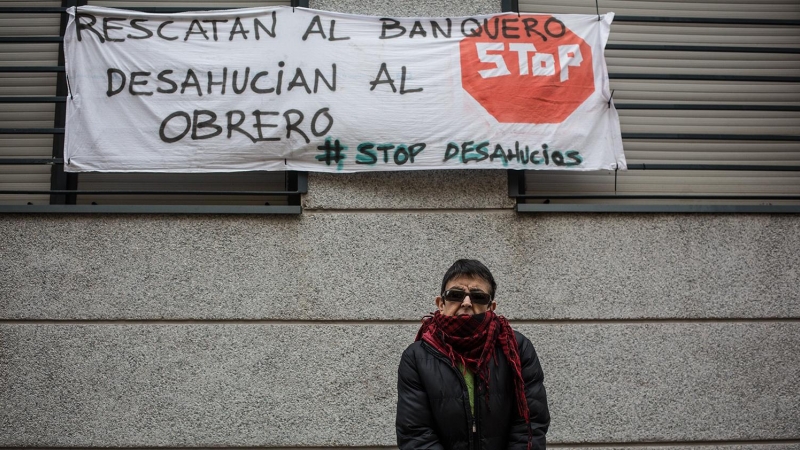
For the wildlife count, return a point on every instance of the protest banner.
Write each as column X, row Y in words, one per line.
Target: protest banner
column 299, row 89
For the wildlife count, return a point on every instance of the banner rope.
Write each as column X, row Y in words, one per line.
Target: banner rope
column 69, row 88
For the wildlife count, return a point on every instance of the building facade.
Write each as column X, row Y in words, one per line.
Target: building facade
column 676, row 328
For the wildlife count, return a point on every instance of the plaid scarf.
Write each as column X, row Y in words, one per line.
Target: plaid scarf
column 471, row 341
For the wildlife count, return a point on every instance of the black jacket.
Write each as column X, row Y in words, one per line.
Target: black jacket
column 433, row 410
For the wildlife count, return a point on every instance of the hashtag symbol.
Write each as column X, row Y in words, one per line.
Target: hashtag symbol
column 331, row 152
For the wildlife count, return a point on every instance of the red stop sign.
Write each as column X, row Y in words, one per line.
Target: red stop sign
column 527, row 69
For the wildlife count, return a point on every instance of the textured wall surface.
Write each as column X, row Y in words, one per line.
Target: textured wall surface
column 655, row 331
column 183, row 331
column 436, row 189
column 364, row 265
column 316, row 385
column 409, row 8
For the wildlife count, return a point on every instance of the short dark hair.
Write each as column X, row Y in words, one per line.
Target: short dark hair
column 471, row 268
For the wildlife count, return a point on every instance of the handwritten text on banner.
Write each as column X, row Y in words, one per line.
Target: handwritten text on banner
column 298, row 89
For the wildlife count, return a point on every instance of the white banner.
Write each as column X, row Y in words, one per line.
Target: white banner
column 298, row 89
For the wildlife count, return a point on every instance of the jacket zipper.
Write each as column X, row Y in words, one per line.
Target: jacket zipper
column 472, row 436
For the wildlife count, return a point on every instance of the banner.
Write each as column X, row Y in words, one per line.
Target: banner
column 299, row 89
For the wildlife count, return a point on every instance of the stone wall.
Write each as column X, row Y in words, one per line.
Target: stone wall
column 178, row 331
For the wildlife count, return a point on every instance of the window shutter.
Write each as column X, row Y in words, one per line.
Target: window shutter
column 28, row 101
column 732, row 99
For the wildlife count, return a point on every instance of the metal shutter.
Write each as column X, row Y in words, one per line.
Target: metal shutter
column 27, row 115
column 44, row 29
column 734, row 102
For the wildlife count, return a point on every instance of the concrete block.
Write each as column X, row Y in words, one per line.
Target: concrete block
column 671, row 382
column 410, row 8
column 187, row 385
column 196, row 385
column 388, row 265
column 434, row 189
column 703, row 446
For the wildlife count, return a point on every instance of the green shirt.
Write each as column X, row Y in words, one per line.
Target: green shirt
column 469, row 377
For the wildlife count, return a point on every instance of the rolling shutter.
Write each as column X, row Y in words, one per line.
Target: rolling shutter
column 31, row 125
column 699, row 85
column 15, row 85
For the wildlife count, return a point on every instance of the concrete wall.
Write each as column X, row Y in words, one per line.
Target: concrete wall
column 654, row 330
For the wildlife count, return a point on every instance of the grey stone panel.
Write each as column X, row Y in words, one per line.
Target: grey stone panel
column 185, row 385
column 654, row 382
column 410, row 8
column 433, row 189
column 760, row 445
column 189, row 385
column 705, row 446
column 388, row 266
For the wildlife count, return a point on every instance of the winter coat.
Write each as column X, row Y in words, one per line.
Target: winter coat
column 433, row 409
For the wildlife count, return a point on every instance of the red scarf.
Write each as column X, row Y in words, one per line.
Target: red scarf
column 471, row 341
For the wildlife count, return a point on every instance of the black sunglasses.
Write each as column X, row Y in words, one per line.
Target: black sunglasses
column 457, row 295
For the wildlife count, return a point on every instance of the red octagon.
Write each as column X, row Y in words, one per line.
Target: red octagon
column 527, row 69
